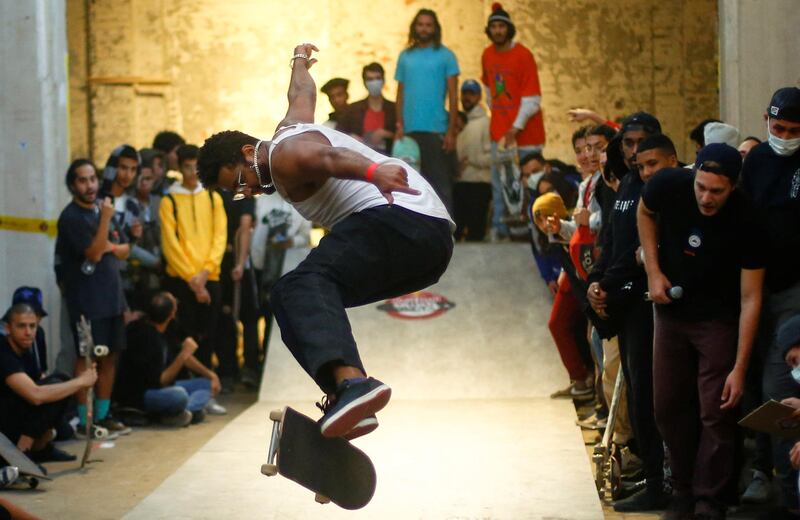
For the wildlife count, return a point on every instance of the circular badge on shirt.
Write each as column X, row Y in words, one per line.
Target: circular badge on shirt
column 695, row 241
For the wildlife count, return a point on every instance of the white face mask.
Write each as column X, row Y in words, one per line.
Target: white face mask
column 796, row 374
column 374, row 86
column 783, row 147
column 533, row 179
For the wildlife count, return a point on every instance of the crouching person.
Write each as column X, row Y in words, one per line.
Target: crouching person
column 32, row 405
column 153, row 372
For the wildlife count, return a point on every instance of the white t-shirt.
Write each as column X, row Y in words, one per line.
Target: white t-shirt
column 276, row 220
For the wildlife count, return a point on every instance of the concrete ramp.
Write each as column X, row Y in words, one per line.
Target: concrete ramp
column 469, row 433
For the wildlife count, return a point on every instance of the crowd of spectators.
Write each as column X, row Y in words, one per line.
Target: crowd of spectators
column 680, row 275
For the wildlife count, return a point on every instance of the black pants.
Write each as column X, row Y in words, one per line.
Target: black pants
column 636, row 352
column 199, row 320
column 471, row 212
column 372, row 255
column 24, row 418
column 437, row 166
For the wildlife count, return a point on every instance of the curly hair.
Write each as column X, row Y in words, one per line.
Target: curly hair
column 221, row 149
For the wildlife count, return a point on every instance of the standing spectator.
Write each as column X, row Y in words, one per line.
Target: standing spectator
column 473, row 190
column 512, row 80
column 616, row 291
column 31, row 405
column 193, row 234
column 771, row 176
column 427, row 73
column 168, row 142
column 158, row 352
column 373, row 119
column 700, row 233
column 748, row 144
column 278, row 227
column 89, row 259
column 698, row 133
column 716, row 132
column 336, row 90
column 235, row 269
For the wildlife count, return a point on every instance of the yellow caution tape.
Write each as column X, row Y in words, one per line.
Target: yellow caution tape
column 28, row 225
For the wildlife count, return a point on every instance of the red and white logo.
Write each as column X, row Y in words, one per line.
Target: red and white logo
column 420, row 305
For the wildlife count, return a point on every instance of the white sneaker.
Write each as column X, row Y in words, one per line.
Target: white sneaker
column 758, row 491
column 214, row 408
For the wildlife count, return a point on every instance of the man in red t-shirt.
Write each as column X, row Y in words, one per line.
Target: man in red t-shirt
column 514, row 95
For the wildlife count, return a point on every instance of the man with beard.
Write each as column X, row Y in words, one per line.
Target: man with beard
column 514, row 96
column 427, row 72
column 336, row 90
column 89, row 258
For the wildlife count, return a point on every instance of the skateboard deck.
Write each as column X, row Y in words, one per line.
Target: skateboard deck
column 28, row 469
column 88, row 350
column 334, row 469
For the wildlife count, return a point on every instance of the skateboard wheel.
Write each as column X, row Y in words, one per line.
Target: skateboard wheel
column 322, row 499
column 100, row 432
column 276, row 415
column 269, row 470
column 100, row 350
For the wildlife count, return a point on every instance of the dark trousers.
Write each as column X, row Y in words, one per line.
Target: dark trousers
column 691, row 361
column 371, row 255
column 636, row 353
column 199, row 320
column 24, row 418
column 471, row 212
column 436, row 165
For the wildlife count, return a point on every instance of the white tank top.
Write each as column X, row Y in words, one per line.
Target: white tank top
column 338, row 198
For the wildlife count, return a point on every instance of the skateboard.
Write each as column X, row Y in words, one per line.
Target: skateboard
column 334, row 469
column 606, row 458
column 29, row 471
column 89, row 351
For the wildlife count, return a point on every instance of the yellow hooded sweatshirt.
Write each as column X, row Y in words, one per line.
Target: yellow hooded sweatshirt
column 197, row 240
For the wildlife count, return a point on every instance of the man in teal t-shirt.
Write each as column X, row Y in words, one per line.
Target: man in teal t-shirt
column 427, row 73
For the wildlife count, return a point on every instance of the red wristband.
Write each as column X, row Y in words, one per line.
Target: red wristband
column 371, row 171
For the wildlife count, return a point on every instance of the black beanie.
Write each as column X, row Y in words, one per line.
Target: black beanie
column 499, row 15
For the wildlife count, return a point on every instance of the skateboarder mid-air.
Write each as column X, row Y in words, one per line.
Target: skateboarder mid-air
column 389, row 235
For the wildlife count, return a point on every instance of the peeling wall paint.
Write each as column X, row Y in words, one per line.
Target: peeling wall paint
column 225, row 64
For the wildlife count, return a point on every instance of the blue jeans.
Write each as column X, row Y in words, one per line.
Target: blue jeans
column 185, row 394
column 498, row 203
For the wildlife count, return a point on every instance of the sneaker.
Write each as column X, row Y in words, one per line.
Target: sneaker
column 581, row 394
column 249, row 379
column 356, row 399
column 178, row 420
column 593, row 422
column 51, row 454
column 679, row 508
column 214, row 408
column 564, row 393
column 364, row 426
column 631, row 463
column 198, row 416
column 8, row 475
column 98, row 433
column 114, row 426
column 758, row 491
column 651, row 498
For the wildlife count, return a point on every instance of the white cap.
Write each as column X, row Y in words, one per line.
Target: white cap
column 721, row 133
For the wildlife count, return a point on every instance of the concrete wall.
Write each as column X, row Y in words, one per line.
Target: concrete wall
column 34, row 147
column 201, row 66
column 759, row 44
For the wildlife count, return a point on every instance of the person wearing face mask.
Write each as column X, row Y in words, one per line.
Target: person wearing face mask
column 771, row 176
column 473, row 191
column 373, row 119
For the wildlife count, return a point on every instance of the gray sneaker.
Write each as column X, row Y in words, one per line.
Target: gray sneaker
column 214, row 408
column 179, row 420
column 758, row 491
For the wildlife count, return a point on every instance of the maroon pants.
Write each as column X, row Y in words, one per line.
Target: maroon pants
column 566, row 322
column 691, row 361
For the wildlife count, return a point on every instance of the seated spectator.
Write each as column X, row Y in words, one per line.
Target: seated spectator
column 373, row 119
column 788, row 341
column 31, row 405
column 748, row 144
column 473, row 190
column 156, row 356
column 33, row 297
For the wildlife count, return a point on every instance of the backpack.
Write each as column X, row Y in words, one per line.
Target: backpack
column 407, row 149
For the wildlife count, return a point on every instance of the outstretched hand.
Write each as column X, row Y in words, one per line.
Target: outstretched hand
column 306, row 49
column 392, row 177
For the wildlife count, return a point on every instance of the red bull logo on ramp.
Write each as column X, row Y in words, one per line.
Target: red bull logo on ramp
column 421, row 305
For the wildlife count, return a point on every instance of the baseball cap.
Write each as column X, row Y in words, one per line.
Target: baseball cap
column 641, row 121
column 785, row 104
column 721, row 159
column 716, row 132
column 30, row 295
column 471, row 85
column 788, row 335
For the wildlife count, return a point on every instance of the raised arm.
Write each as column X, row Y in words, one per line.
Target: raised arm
column 302, row 89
